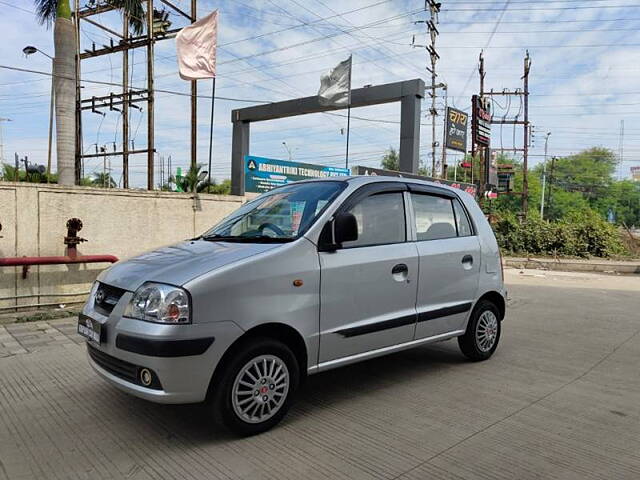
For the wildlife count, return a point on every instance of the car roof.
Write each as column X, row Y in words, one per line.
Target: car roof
column 359, row 180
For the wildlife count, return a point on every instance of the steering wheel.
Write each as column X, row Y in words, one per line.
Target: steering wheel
column 274, row 228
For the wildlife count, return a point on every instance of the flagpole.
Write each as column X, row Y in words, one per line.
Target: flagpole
column 213, row 104
column 348, row 129
column 349, row 111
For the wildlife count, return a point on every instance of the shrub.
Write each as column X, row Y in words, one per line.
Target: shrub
column 580, row 234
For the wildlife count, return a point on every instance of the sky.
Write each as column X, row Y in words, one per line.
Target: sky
column 584, row 78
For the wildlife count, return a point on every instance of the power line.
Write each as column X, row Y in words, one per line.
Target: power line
column 313, row 40
column 303, row 24
column 520, row 47
column 97, row 82
column 477, row 2
column 542, row 21
column 546, row 9
column 488, row 42
column 16, row 7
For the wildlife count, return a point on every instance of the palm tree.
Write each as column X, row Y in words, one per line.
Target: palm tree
column 195, row 181
column 58, row 13
column 104, row 180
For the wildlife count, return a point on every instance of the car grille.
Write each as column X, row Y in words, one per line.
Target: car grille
column 120, row 368
column 109, row 298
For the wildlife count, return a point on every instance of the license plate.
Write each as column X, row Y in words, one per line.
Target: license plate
column 90, row 329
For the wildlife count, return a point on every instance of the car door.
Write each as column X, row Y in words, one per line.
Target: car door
column 368, row 286
column 449, row 259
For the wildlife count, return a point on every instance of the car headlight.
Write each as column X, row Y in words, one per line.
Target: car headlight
column 157, row 302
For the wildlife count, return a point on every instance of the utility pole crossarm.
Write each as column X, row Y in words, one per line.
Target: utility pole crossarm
column 124, row 99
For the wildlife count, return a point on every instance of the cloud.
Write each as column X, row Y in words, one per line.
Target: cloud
column 580, row 94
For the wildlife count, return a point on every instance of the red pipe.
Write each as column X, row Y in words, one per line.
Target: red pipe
column 26, row 261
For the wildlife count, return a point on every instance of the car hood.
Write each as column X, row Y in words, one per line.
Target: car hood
column 177, row 264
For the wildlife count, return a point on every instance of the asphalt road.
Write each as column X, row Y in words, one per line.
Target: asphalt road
column 559, row 399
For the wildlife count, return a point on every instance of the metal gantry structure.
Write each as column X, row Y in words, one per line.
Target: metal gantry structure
column 409, row 93
column 157, row 29
column 524, row 122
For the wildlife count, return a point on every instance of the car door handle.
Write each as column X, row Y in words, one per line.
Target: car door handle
column 399, row 268
column 467, row 260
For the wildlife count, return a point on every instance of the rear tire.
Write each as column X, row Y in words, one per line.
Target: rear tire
column 483, row 332
column 255, row 387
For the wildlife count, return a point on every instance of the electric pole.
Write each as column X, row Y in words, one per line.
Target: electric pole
column 158, row 27
column 434, row 9
column 525, row 146
column 621, row 150
column 523, row 94
column 544, row 174
column 551, row 179
column 2, row 120
column 444, row 133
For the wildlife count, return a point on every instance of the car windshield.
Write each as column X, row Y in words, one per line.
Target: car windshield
column 277, row 216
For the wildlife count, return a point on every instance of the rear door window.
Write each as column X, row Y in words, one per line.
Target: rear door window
column 434, row 217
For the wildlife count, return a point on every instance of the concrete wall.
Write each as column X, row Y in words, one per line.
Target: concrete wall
column 117, row 222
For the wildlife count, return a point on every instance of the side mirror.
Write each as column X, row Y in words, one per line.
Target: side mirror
column 345, row 228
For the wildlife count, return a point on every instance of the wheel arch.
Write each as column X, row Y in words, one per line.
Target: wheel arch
column 277, row 331
column 497, row 299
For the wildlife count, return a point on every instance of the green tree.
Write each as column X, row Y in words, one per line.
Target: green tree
column 9, row 173
column 104, row 180
column 579, row 184
column 391, row 161
column 588, row 172
column 58, row 13
column 195, row 180
column 223, row 188
column 623, row 199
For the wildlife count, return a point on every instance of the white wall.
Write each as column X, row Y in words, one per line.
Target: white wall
column 123, row 223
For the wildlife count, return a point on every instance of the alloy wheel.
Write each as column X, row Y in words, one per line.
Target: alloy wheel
column 486, row 331
column 260, row 388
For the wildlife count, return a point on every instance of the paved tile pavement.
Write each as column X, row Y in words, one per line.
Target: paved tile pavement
column 560, row 399
column 20, row 338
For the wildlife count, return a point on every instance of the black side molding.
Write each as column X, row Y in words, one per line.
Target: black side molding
column 406, row 320
column 163, row 348
column 444, row 312
column 379, row 326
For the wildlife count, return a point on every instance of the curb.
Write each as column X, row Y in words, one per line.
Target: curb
column 621, row 268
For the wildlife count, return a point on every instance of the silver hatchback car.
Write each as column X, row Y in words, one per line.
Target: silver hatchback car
column 307, row 277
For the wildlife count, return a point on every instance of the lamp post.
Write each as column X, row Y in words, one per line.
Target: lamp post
column 30, row 50
column 544, row 174
column 289, row 151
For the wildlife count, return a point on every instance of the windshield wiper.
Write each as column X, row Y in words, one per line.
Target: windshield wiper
column 254, row 239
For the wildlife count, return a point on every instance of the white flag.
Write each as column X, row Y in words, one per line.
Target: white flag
column 335, row 87
column 196, row 46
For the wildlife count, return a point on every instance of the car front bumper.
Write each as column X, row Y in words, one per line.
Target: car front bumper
column 181, row 358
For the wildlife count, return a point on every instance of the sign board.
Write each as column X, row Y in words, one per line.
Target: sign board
column 492, row 169
column 264, row 174
column 506, row 181
column 470, row 188
column 635, row 173
column 481, row 121
column 456, row 132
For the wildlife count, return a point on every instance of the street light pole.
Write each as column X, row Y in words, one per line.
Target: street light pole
column 288, row 150
column 544, row 174
column 30, row 50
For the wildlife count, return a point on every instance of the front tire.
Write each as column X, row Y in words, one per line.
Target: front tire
column 483, row 332
column 256, row 387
